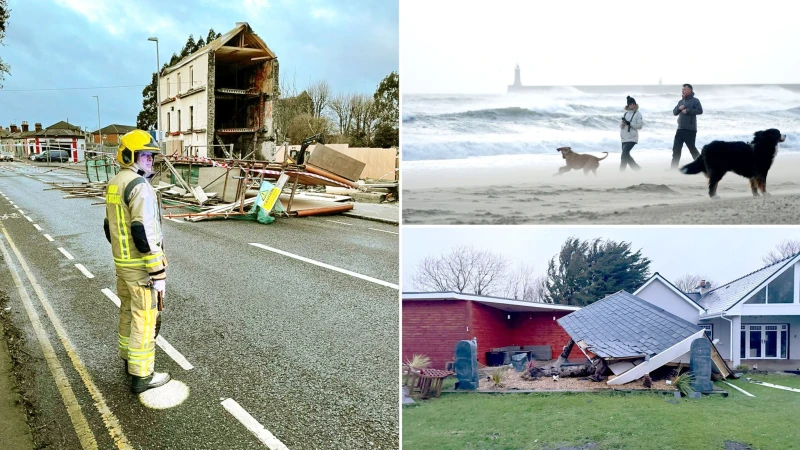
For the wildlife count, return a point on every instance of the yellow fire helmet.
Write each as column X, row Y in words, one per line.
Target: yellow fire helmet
column 135, row 141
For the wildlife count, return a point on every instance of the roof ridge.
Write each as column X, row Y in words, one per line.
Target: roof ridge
column 755, row 271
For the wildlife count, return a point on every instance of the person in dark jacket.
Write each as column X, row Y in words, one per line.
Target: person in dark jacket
column 687, row 110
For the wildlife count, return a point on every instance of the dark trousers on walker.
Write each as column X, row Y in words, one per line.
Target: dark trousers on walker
column 681, row 136
column 627, row 159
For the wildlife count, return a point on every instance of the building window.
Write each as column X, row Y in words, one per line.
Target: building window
column 179, row 83
column 191, row 118
column 779, row 290
column 191, row 77
column 168, row 122
column 179, row 120
column 709, row 330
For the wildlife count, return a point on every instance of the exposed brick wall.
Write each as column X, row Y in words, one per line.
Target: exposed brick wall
column 541, row 329
column 433, row 328
column 492, row 328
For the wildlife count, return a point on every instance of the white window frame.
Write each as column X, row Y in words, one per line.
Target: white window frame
column 709, row 327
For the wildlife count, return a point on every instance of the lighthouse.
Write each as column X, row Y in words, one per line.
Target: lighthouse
column 517, row 82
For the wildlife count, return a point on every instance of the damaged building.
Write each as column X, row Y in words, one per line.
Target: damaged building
column 218, row 101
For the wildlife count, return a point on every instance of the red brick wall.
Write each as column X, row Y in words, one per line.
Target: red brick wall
column 491, row 327
column 541, row 329
column 433, row 328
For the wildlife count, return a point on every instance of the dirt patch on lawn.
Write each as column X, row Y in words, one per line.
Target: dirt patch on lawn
column 512, row 380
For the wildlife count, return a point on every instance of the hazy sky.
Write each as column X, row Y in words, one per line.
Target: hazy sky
column 470, row 46
column 720, row 253
column 59, row 44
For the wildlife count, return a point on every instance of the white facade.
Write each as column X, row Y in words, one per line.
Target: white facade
column 765, row 321
column 185, row 115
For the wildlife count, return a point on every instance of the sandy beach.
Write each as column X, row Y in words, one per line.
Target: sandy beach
column 513, row 190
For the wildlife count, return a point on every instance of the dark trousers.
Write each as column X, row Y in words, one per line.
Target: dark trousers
column 681, row 136
column 627, row 159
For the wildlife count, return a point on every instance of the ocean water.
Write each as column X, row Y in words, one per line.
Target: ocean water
column 531, row 125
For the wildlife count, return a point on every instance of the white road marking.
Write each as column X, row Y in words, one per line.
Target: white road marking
column 37, row 227
column 65, row 253
column 166, row 346
column 340, row 223
column 739, row 389
column 29, row 219
column 48, row 237
column 327, row 266
column 776, row 386
column 174, row 354
column 85, row 272
column 176, row 220
column 384, row 231
column 252, row 425
column 112, row 296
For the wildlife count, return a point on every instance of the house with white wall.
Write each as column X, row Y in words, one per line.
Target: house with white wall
column 753, row 318
column 221, row 96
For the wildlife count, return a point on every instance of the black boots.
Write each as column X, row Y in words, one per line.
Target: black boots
column 141, row 384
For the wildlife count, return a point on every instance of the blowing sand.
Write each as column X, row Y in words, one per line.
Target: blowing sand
column 530, row 194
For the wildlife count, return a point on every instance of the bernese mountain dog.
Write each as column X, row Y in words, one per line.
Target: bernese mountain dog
column 750, row 160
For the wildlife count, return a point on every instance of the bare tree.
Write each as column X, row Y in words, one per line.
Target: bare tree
column 690, row 282
column 787, row 248
column 464, row 269
column 320, row 93
column 340, row 105
column 521, row 284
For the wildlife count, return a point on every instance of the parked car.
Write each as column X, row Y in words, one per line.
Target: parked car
column 6, row 156
column 52, row 155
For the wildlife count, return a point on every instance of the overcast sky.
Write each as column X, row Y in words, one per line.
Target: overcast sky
column 720, row 253
column 60, row 44
column 470, row 46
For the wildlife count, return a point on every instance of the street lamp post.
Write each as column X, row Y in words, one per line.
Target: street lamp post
column 99, row 134
column 158, row 92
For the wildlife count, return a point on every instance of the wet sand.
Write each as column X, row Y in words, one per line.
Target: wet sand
column 530, row 194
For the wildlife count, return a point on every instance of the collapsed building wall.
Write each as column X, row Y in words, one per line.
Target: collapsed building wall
column 245, row 87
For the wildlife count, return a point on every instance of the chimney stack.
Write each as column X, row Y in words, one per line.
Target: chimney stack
column 704, row 287
column 14, row 128
column 38, row 126
column 24, row 126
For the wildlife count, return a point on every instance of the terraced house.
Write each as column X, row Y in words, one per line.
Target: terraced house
column 221, row 98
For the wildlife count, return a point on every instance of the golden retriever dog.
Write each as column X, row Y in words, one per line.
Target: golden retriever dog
column 579, row 161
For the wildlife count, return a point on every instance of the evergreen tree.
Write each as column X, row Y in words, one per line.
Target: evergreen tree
column 587, row 271
column 387, row 111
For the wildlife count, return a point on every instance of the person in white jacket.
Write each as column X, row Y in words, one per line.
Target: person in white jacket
column 629, row 127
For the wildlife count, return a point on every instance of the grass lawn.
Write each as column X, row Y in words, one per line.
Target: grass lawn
column 771, row 420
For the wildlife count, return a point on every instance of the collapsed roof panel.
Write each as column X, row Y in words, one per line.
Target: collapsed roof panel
column 623, row 326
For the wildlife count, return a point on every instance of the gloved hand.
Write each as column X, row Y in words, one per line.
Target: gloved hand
column 160, row 286
column 627, row 122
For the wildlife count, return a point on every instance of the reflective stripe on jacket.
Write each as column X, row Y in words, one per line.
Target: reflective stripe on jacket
column 133, row 227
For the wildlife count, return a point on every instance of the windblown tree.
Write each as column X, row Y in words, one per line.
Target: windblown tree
column 690, row 282
column 464, row 269
column 387, row 112
column 586, row 271
column 148, row 116
column 787, row 248
column 4, row 13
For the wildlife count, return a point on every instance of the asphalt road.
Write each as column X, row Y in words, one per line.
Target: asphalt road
column 304, row 340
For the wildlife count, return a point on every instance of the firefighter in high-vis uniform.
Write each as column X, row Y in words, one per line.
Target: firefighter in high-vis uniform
column 133, row 227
